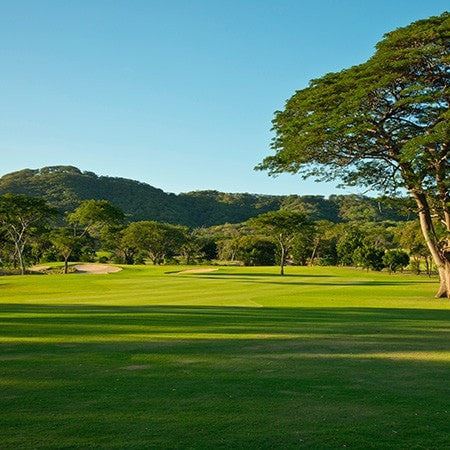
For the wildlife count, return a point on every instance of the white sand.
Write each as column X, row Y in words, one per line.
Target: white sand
column 96, row 268
column 39, row 268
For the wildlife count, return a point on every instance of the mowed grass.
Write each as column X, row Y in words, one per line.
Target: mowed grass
column 236, row 358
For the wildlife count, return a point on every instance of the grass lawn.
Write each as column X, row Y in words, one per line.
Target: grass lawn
column 237, row 358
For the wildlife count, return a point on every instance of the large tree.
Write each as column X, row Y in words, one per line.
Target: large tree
column 383, row 124
column 21, row 217
column 157, row 240
column 65, row 242
column 283, row 227
column 90, row 217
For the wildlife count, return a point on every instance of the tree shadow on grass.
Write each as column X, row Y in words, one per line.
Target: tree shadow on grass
column 210, row 322
column 246, row 274
column 282, row 280
column 215, row 377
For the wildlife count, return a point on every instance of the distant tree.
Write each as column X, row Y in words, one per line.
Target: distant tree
column 208, row 248
column 323, row 242
column 349, row 241
column 397, row 208
column 65, row 243
column 6, row 250
column 90, row 217
column 21, row 217
column 190, row 250
column 395, row 259
column 227, row 249
column 282, row 226
column 383, row 124
column 39, row 245
column 157, row 240
column 305, row 245
column 256, row 251
column 369, row 257
column 357, row 208
column 411, row 239
column 296, row 203
column 115, row 239
column 378, row 234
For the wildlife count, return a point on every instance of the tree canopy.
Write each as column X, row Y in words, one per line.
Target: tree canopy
column 20, row 217
column 283, row 227
column 65, row 187
column 383, row 124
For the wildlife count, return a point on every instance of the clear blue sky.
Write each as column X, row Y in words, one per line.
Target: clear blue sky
column 179, row 94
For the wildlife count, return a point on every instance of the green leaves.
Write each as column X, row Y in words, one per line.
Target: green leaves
column 365, row 122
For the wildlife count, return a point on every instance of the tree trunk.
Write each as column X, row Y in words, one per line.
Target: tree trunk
column 313, row 255
column 19, row 253
column 440, row 258
column 444, row 280
column 282, row 260
column 66, row 265
column 22, row 263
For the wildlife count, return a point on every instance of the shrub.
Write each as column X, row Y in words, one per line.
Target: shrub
column 369, row 257
column 395, row 259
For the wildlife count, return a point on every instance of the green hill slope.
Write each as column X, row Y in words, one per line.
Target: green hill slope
column 66, row 186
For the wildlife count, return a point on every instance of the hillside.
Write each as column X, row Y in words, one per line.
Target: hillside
column 66, row 186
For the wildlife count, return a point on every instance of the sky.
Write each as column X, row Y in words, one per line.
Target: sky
column 177, row 94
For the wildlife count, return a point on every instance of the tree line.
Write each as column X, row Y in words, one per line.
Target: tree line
column 32, row 232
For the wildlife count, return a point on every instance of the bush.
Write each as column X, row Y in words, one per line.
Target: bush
column 139, row 258
column 415, row 266
column 395, row 259
column 369, row 257
column 50, row 256
column 256, row 251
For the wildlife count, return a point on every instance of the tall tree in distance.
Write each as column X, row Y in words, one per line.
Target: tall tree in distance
column 283, row 227
column 20, row 218
column 383, row 124
column 65, row 242
column 157, row 240
column 90, row 217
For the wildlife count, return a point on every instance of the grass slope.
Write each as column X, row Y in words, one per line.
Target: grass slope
column 237, row 358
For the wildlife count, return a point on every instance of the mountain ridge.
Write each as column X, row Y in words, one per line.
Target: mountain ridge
column 65, row 186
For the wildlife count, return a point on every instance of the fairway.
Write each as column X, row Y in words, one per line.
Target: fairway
column 240, row 357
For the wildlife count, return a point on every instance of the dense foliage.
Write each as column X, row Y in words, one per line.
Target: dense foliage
column 280, row 237
column 65, row 187
column 383, row 124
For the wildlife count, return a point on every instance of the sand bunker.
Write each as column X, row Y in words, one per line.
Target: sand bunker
column 96, row 268
column 39, row 268
column 198, row 270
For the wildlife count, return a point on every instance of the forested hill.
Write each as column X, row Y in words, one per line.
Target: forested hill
column 66, row 186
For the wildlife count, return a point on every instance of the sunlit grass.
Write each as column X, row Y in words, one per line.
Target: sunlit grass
column 239, row 357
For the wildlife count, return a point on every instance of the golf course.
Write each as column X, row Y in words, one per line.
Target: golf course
column 238, row 357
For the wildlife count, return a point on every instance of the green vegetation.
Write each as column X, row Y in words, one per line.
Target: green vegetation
column 239, row 357
column 29, row 236
column 383, row 124
column 283, row 227
column 21, row 218
column 65, row 187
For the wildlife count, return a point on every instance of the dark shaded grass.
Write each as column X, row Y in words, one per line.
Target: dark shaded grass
column 221, row 377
